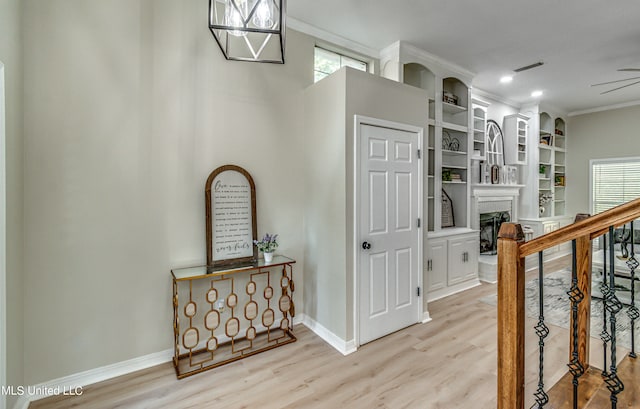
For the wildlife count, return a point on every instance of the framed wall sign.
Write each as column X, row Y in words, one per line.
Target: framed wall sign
column 230, row 199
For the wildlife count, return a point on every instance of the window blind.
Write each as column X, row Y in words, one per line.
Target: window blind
column 614, row 182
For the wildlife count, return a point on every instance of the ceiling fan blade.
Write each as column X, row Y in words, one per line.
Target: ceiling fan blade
column 613, row 82
column 624, row 86
column 629, row 69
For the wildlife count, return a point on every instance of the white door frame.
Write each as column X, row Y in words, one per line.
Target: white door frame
column 364, row 120
column 3, row 243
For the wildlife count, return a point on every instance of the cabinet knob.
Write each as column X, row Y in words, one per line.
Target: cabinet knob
column 366, row 245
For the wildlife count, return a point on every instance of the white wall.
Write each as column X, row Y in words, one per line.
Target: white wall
column 130, row 105
column 10, row 56
column 599, row 135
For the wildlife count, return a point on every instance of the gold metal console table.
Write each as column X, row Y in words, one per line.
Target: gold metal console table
column 231, row 312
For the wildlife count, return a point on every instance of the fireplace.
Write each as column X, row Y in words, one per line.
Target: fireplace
column 489, row 227
column 492, row 205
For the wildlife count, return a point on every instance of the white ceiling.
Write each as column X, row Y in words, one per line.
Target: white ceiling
column 581, row 42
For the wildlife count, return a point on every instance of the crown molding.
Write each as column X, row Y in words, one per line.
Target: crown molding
column 488, row 95
column 324, row 35
column 605, row 108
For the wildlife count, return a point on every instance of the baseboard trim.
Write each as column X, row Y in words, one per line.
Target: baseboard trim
column 458, row 288
column 342, row 346
column 82, row 379
column 426, row 317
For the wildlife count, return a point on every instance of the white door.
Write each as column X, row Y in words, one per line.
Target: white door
column 390, row 242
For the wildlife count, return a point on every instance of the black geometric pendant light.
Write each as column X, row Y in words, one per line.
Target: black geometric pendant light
column 249, row 30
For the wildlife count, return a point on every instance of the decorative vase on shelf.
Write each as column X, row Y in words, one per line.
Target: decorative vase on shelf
column 268, row 257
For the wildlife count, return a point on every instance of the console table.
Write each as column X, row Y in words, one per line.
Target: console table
column 622, row 277
column 230, row 312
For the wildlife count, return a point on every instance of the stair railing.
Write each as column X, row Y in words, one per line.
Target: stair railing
column 512, row 251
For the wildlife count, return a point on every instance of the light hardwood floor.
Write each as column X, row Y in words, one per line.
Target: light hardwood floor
column 449, row 363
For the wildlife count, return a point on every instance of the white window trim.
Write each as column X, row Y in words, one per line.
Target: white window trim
column 346, row 53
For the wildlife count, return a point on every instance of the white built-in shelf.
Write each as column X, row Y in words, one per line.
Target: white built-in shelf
column 430, row 176
column 445, row 166
column 454, row 127
column 545, row 178
column 546, row 190
column 545, row 133
column 431, row 148
column 451, row 182
column 452, row 108
column 430, row 197
column 543, row 146
column 448, row 152
column 560, row 150
column 559, row 201
column 431, row 122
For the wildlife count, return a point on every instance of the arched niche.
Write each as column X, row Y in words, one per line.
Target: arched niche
column 458, row 89
column 418, row 75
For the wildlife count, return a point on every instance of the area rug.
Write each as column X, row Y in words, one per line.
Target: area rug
column 557, row 307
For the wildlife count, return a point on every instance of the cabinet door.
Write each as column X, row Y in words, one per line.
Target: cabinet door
column 472, row 249
column 436, row 265
column 457, row 261
column 463, row 259
column 548, row 227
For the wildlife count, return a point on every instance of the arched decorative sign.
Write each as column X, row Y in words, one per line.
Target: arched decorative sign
column 230, row 198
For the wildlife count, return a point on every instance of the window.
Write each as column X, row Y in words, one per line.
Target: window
column 327, row 62
column 614, row 182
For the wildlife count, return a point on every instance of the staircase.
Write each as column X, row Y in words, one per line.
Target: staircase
column 583, row 386
column 593, row 392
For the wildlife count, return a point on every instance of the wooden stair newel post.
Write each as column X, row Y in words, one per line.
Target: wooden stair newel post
column 583, row 271
column 510, row 317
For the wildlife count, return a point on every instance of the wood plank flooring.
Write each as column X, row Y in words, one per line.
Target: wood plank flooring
column 593, row 392
column 447, row 363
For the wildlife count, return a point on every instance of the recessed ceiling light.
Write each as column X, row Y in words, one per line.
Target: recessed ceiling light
column 536, row 94
column 506, row 79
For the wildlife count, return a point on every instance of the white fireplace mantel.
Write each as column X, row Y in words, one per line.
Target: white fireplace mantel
column 492, row 193
column 498, row 192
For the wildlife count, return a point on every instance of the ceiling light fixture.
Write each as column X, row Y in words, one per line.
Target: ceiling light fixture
column 536, row 94
column 249, row 30
column 506, row 79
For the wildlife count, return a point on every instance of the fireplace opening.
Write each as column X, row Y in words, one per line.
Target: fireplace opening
column 489, row 227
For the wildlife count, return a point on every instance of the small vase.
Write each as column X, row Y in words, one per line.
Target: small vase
column 268, row 257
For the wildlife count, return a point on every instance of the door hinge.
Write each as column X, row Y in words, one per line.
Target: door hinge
column 418, row 222
column 418, row 291
column 419, row 154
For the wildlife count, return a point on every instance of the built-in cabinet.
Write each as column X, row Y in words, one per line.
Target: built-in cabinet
column 545, row 173
column 455, row 127
column 542, row 204
column 515, row 129
column 479, row 118
column 452, row 264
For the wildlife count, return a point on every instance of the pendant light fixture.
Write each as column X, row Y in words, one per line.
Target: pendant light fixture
column 249, row 30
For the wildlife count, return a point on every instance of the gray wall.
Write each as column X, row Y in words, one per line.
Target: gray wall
column 599, row 135
column 329, row 226
column 11, row 57
column 130, row 105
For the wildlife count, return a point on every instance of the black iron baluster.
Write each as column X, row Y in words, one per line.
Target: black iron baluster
column 576, row 296
column 614, row 306
column 542, row 331
column 633, row 312
column 604, row 289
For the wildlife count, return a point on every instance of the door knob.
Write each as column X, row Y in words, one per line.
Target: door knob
column 366, row 245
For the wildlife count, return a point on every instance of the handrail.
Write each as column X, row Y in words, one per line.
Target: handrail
column 594, row 226
column 512, row 251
